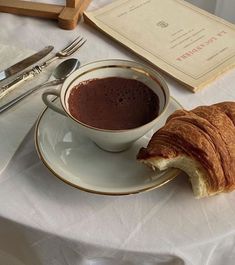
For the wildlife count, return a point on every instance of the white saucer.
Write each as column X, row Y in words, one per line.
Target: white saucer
column 79, row 162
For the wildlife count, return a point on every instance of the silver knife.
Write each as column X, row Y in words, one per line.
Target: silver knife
column 18, row 67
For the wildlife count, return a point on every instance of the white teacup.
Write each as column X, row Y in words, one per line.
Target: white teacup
column 112, row 140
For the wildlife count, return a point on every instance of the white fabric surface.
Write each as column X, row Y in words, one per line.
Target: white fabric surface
column 44, row 221
column 222, row 8
column 226, row 9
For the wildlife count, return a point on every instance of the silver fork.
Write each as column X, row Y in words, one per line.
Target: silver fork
column 67, row 51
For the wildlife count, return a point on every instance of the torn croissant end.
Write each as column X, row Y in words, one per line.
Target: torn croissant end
column 201, row 142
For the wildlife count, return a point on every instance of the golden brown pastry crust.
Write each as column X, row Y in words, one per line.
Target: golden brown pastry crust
column 206, row 134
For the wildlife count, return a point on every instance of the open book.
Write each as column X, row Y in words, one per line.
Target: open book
column 188, row 43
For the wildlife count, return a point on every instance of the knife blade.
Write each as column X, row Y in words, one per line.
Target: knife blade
column 18, row 67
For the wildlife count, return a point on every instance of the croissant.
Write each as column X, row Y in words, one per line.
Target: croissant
column 200, row 142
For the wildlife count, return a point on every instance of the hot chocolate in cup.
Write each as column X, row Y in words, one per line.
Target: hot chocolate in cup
column 113, row 102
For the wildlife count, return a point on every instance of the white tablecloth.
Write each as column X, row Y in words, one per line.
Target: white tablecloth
column 44, row 221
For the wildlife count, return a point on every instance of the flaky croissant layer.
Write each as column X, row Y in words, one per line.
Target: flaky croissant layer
column 201, row 142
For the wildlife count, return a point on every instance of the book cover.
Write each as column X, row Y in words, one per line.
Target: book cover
column 184, row 41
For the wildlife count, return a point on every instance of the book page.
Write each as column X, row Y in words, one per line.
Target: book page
column 184, row 41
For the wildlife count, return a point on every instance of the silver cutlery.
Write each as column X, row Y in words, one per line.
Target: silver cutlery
column 62, row 71
column 67, row 51
column 23, row 64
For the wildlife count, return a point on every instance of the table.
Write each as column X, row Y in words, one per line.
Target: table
column 43, row 221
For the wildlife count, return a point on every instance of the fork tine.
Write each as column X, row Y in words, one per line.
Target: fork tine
column 76, row 48
column 70, row 45
column 74, row 45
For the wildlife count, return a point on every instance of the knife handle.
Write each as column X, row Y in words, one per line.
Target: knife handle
column 29, row 92
column 19, row 80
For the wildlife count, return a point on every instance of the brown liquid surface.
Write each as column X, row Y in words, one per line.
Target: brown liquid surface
column 113, row 103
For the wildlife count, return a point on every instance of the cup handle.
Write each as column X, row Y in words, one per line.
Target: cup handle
column 51, row 104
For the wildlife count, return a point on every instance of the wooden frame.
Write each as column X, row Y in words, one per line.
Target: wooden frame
column 67, row 16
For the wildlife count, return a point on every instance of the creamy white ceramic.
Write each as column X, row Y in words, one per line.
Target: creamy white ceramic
column 75, row 159
column 112, row 140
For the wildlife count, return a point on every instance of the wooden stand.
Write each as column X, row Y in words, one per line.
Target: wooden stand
column 67, row 16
